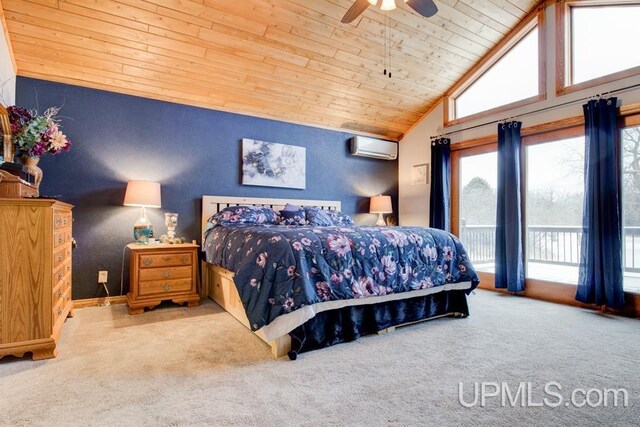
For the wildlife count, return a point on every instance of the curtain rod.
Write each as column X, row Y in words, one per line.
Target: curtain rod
column 551, row 107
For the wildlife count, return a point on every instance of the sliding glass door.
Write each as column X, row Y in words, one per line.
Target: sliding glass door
column 553, row 198
column 554, row 203
column 630, row 153
column 477, row 208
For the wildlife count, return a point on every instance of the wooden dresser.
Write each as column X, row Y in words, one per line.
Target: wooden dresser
column 35, row 275
column 162, row 272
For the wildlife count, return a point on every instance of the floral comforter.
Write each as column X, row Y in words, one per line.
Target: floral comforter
column 279, row 269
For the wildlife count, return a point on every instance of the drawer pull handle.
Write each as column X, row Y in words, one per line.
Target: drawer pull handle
column 166, row 287
column 166, row 258
column 64, row 221
column 166, row 274
column 184, row 259
column 147, row 261
column 59, row 293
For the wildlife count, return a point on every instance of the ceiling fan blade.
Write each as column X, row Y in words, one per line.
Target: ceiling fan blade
column 354, row 11
column 426, row 8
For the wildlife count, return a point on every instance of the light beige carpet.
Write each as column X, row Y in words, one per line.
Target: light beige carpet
column 179, row 366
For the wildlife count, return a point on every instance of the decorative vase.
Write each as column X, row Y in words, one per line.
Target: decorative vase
column 32, row 166
column 171, row 221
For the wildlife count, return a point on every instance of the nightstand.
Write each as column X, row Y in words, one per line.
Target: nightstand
column 162, row 272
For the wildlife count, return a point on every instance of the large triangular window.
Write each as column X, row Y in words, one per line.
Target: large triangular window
column 511, row 75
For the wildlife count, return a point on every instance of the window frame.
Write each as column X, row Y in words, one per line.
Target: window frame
column 631, row 119
column 562, row 293
column 535, row 19
column 564, row 62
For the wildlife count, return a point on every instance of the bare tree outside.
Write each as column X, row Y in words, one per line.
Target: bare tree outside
column 631, row 175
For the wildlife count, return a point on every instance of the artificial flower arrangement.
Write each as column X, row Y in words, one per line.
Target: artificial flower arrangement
column 35, row 135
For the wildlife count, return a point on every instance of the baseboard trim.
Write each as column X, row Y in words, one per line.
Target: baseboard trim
column 560, row 294
column 96, row 302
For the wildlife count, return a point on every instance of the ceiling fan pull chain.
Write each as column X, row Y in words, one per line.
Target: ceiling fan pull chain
column 390, row 45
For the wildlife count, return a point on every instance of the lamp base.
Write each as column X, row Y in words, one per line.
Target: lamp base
column 380, row 222
column 142, row 229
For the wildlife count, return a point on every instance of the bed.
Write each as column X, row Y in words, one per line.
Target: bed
column 301, row 288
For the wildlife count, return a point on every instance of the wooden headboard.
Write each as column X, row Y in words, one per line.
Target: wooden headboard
column 214, row 204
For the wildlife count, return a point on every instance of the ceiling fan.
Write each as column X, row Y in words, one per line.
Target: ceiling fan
column 426, row 8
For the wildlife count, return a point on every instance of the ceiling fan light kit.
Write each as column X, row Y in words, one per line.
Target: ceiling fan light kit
column 388, row 5
column 426, row 8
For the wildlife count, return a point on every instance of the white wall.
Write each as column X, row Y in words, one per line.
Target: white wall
column 415, row 149
column 7, row 72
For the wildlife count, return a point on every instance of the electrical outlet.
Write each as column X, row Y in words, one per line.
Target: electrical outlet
column 102, row 276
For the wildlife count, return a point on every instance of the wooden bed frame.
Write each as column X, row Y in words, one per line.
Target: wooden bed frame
column 217, row 282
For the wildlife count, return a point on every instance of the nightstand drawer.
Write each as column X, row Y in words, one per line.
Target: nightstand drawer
column 166, row 260
column 164, row 286
column 162, row 272
column 166, row 273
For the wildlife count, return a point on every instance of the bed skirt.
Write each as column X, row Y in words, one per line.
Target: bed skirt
column 349, row 323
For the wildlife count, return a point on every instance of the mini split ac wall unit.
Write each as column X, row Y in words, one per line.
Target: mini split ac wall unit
column 374, row 148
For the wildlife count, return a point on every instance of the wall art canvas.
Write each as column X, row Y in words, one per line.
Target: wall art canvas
column 420, row 174
column 273, row 165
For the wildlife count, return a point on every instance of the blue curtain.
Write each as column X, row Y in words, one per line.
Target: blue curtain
column 440, row 199
column 509, row 258
column 601, row 276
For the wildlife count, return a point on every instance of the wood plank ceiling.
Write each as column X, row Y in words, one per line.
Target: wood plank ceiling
column 290, row 60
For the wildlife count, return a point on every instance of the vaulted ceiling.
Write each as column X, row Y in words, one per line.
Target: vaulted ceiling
column 290, row 60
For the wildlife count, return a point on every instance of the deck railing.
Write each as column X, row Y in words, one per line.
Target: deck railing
column 547, row 244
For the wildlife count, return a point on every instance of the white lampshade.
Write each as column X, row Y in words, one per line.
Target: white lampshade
column 373, row 2
column 144, row 194
column 380, row 204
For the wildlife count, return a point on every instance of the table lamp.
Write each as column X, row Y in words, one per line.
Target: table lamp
column 143, row 194
column 380, row 205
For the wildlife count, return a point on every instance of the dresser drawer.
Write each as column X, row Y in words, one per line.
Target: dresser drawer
column 61, row 272
column 58, row 295
column 166, row 260
column 58, row 238
column 61, row 309
column 153, row 287
column 61, row 220
column 165, row 273
column 61, row 254
column 58, row 311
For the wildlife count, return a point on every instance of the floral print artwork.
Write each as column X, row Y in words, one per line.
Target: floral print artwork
column 280, row 268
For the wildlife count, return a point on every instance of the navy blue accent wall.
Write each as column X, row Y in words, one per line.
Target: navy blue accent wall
column 191, row 152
